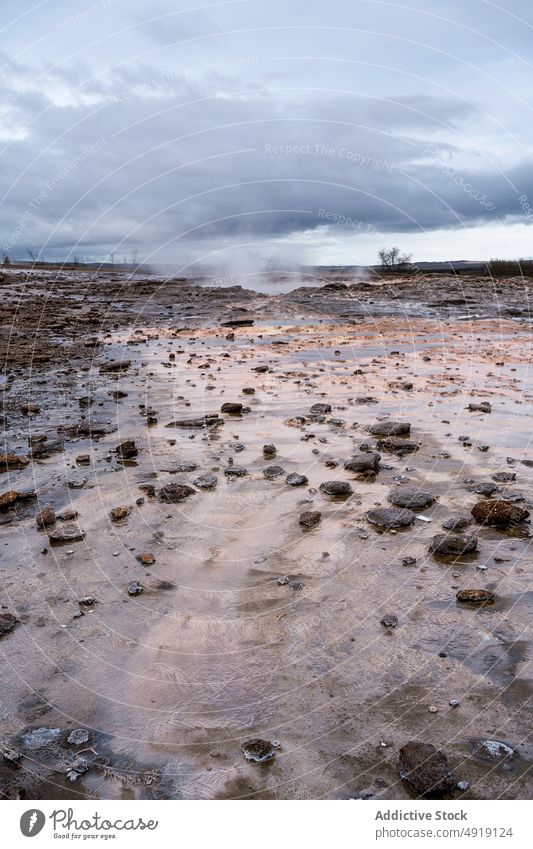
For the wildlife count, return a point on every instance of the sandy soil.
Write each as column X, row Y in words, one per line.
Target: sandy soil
column 248, row 624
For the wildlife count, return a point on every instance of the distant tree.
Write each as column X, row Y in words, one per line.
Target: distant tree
column 6, row 260
column 392, row 259
column 32, row 255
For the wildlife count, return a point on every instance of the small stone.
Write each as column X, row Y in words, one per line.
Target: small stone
column 232, row 408
column 336, row 488
column 482, row 407
column 117, row 514
column 68, row 533
column 391, row 517
column 453, row 544
column 172, row 493
column 320, row 409
column 235, row 472
column 463, row 785
column 454, row 703
column 433, row 709
column 389, row 621
column 365, row 462
column 295, row 479
column 457, row 523
column 12, row 462
column 282, row 580
column 208, row 481
column 272, row 472
column 269, row 449
column 7, row 499
column 310, row 519
column 146, row 558
column 475, row 596
column 135, row 588
column 45, row 517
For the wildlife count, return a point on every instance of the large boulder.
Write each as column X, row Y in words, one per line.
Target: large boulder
column 364, row 462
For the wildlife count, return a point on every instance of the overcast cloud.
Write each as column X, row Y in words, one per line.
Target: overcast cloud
column 313, row 132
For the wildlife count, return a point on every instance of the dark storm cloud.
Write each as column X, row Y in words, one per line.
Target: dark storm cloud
column 145, row 151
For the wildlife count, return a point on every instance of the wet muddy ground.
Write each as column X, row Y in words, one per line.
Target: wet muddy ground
column 170, row 633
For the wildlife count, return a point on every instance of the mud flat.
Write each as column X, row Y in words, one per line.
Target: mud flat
column 238, row 552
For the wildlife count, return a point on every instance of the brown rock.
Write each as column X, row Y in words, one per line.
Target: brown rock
column 475, row 596
column 8, row 498
column 174, row 492
column 146, row 558
column 126, row 450
column 498, row 513
column 12, row 462
column 232, row 408
column 45, row 517
column 117, row 514
column 310, row 519
column 425, row 769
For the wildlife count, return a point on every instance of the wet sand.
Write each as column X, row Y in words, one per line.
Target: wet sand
column 249, row 625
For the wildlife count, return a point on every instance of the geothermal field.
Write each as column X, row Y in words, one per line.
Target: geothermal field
column 269, row 546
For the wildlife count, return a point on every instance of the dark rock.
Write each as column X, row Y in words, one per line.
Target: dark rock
column 336, row 488
column 126, row 450
column 172, row 493
column 295, row 479
column 310, row 518
column 146, row 558
column 117, row 514
column 7, row 623
column 209, row 420
column 232, row 408
column 482, row 407
column 397, row 445
column 409, row 496
column 260, row 369
column 485, row 488
column 425, row 769
column 390, row 517
column 68, row 533
column 45, row 517
column 457, row 523
column 504, row 477
column 498, row 513
column 29, row 409
column 135, row 588
column 448, row 544
column 320, row 409
column 115, row 366
column 7, row 499
column 78, row 737
column 208, row 481
column 258, row 750
column 273, row 472
column 390, row 429
column 248, row 390
column 389, row 621
column 235, row 472
column 364, row 462
column 475, row 596
column 269, row 450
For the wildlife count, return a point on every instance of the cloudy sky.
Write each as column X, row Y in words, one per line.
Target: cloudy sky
column 316, row 132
